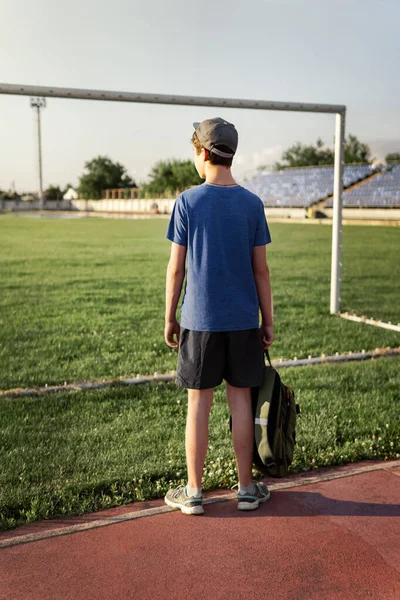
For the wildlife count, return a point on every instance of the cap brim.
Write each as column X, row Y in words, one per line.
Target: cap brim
column 195, row 125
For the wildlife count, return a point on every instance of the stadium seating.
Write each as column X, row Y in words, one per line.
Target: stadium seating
column 383, row 190
column 301, row 187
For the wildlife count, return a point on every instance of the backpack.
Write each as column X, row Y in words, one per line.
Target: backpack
column 275, row 412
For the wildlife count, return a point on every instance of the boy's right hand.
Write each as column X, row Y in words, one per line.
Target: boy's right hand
column 172, row 328
column 266, row 335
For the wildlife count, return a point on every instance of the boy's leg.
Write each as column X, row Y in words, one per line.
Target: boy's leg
column 239, row 402
column 243, row 370
column 199, row 406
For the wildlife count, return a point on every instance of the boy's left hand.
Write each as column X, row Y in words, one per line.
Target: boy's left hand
column 172, row 328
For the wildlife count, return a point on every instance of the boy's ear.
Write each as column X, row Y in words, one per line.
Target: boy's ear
column 206, row 154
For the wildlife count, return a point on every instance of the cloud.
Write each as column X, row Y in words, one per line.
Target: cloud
column 246, row 163
column 381, row 147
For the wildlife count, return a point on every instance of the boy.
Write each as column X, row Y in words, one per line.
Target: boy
column 222, row 228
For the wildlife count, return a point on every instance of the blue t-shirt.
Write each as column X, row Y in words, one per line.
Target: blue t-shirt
column 220, row 226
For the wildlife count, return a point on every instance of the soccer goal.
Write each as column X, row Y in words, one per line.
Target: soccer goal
column 338, row 110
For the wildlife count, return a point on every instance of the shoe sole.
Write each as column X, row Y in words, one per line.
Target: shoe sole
column 253, row 505
column 187, row 510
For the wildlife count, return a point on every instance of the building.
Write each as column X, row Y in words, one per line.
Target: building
column 71, row 194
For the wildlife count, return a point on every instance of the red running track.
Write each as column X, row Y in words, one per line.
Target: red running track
column 337, row 538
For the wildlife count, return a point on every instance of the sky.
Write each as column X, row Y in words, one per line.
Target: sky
column 323, row 51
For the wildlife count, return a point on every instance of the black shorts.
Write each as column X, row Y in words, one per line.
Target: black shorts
column 207, row 357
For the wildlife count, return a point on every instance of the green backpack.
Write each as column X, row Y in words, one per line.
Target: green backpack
column 275, row 412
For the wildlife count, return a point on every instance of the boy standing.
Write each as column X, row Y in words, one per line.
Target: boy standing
column 222, row 229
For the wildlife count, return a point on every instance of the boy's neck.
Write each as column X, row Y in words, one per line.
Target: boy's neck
column 218, row 175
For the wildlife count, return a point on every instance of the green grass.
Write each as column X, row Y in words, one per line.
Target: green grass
column 73, row 453
column 84, row 299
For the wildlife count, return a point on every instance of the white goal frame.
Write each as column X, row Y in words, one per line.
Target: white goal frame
column 339, row 110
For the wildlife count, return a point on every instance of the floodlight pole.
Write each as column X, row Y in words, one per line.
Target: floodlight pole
column 337, row 213
column 112, row 96
column 39, row 103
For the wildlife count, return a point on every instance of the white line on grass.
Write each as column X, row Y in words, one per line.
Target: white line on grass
column 95, row 385
column 364, row 319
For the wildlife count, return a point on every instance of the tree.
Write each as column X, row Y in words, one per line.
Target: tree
column 355, row 151
column 53, row 192
column 103, row 174
column 392, row 157
column 168, row 177
column 300, row 155
column 11, row 195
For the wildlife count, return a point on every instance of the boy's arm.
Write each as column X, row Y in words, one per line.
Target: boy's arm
column 173, row 288
column 263, row 284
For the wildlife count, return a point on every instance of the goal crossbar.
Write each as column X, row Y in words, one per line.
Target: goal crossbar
column 338, row 109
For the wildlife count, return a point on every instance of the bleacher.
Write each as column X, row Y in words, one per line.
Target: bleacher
column 381, row 191
column 302, row 187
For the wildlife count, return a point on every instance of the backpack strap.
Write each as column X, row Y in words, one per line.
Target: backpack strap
column 267, row 354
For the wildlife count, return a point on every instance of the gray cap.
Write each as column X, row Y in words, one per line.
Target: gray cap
column 217, row 132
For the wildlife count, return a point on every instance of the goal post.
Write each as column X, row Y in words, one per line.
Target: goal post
column 337, row 109
column 337, row 213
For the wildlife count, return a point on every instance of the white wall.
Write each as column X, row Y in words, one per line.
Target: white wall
column 292, row 213
column 166, row 206
column 376, row 214
column 135, row 205
column 123, row 206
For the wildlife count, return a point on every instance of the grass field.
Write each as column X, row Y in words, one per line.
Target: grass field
column 84, row 299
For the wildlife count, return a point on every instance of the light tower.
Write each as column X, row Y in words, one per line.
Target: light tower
column 39, row 103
